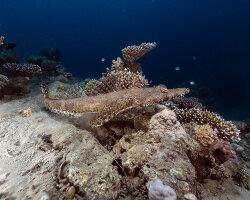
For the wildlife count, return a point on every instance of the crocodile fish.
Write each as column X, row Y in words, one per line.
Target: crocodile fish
column 111, row 104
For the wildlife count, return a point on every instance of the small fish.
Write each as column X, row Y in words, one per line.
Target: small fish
column 1, row 40
column 103, row 59
column 194, row 58
column 192, row 83
column 177, row 68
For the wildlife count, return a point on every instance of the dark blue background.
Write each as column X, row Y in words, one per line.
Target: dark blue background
column 216, row 32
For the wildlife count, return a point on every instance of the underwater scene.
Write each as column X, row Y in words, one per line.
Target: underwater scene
column 124, row 100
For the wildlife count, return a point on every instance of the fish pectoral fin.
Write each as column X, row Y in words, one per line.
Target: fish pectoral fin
column 107, row 115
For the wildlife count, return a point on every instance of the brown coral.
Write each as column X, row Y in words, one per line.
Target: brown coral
column 225, row 129
column 184, row 102
column 132, row 53
column 206, row 137
column 90, row 86
column 113, row 103
column 26, row 70
column 119, row 80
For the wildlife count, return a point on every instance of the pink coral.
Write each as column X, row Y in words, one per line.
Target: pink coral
column 223, row 151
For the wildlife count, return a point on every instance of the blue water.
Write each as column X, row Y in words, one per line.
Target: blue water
column 208, row 39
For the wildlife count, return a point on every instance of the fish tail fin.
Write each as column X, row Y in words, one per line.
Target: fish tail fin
column 45, row 90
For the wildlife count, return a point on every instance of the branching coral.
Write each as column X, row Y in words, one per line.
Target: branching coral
column 118, row 65
column 119, row 80
column 26, row 70
column 113, row 103
column 225, row 129
column 184, row 102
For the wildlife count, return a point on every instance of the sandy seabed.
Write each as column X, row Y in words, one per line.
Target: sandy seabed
column 34, row 151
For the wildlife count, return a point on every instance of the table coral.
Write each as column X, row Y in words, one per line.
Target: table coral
column 111, row 104
column 133, row 53
column 28, row 70
column 225, row 129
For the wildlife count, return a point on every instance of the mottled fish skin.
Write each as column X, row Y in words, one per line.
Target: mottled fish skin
column 111, row 104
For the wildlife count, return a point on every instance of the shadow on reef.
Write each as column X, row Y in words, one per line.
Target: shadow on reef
column 141, row 142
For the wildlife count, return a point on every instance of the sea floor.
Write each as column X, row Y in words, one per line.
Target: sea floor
column 33, row 150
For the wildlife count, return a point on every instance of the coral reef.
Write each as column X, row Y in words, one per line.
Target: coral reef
column 113, row 103
column 213, row 153
column 26, row 70
column 116, row 81
column 225, row 129
column 158, row 191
